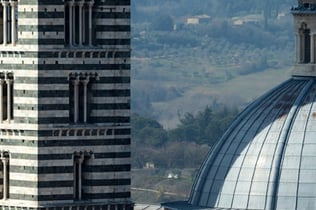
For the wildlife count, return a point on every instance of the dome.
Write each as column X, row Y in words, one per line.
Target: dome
column 267, row 158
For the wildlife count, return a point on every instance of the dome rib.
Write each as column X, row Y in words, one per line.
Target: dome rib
column 279, row 154
column 302, row 148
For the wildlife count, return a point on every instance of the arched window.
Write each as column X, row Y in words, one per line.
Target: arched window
column 78, row 23
column 305, row 44
column 4, row 167
column 79, row 173
column 8, row 22
column 80, row 96
column 6, row 97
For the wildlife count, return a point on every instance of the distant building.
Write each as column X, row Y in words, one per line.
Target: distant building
column 199, row 19
column 150, row 165
column 65, row 104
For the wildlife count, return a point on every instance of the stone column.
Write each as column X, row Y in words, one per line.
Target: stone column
column 70, row 22
column 75, row 178
column 5, row 162
column 5, row 22
column 13, row 26
column 298, row 47
column 1, row 100
column 9, row 107
column 80, row 5
column 302, row 47
column 312, row 58
column 73, row 24
column 76, row 99
column 90, row 22
column 80, row 161
column 84, row 25
column 85, row 100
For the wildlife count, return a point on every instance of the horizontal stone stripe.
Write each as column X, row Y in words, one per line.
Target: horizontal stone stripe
column 65, row 197
column 113, row 35
column 67, row 176
column 113, row 28
column 40, row 28
column 118, row 41
column 64, row 80
column 42, row 15
column 42, row 107
column 106, row 113
column 68, row 183
column 112, row 100
column 68, row 169
column 15, row 67
column 14, row 196
column 108, row 168
column 37, row 3
column 114, row 21
column 80, row 67
column 109, row 93
column 54, row 156
column 117, row 106
column 65, row 93
column 114, row 15
column 123, row 131
column 114, row 119
column 115, row 3
column 41, row 156
column 108, row 195
column 113, row 155
column 59, row 3
column 26, row 120
column 18, row 142
column 87, row 142
column 106, row 182
column 108, row 80
column 42, row 41
column 60, row 107
column 41, row 184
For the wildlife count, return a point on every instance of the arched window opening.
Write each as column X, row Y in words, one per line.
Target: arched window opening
column 80, row 169
column 78, row 23
column 8, row 22
column 6, row 97
column 305, row 44
column 80, row 96
column 4, row 175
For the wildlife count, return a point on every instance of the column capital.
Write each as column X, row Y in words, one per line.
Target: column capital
column 90, row 3
column 5, row 160
column 8, row 80
column 12, row 2
column 76, row 81
column 86, row 81
column 5, row 3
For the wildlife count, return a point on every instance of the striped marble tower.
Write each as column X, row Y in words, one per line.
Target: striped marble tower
column 65, row 104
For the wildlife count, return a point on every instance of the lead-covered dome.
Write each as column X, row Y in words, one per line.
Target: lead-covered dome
column 267, row 158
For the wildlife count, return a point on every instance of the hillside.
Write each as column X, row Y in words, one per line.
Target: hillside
column 179, row 67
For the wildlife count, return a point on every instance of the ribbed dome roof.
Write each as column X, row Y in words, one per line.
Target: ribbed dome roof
column 267, row 158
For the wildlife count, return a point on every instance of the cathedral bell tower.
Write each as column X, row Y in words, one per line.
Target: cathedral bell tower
column 305, row 30
column 65, row 104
